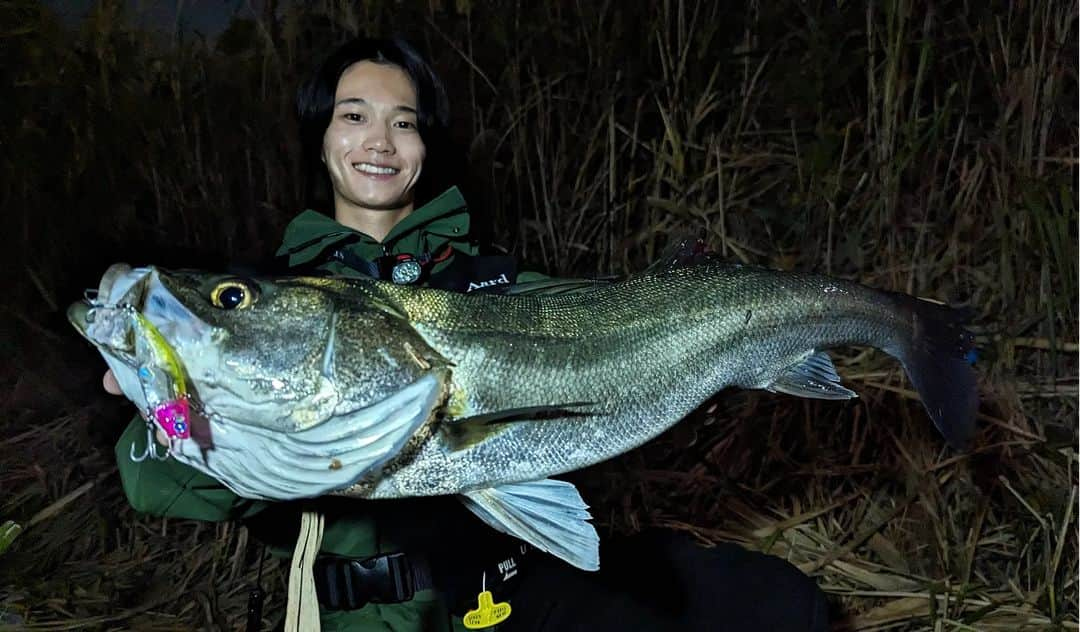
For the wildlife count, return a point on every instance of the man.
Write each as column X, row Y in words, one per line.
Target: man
column 372, row 120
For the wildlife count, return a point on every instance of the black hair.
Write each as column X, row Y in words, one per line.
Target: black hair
column 315, row 107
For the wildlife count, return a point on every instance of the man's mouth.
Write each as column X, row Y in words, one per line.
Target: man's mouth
column 376, row 170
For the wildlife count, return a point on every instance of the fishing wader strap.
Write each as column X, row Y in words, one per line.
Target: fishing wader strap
column 302, row 610
column 349, row 583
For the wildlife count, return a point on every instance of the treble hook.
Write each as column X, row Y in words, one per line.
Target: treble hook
column 151, row 448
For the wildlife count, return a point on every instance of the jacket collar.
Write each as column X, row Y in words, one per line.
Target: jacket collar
column 443, row 220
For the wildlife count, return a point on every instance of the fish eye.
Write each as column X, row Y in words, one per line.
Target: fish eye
column 232, row 294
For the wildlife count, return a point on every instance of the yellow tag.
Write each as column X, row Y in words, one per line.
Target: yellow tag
column 488, row 614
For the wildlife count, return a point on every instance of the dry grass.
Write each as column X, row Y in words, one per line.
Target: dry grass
column 925, row 147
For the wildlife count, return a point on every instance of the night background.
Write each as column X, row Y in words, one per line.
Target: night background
column 924, row 147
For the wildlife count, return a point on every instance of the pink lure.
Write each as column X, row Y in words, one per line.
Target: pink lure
column 173, row 417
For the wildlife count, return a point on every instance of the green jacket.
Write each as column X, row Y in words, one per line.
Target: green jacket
column 354, row 528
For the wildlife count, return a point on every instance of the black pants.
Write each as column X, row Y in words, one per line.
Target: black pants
column 665, row 581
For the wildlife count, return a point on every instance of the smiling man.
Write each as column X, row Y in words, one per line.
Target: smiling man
column 372, row 116
column 372, row 148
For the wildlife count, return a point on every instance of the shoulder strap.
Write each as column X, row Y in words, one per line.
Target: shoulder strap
column 465, row 273
column 472, row 273
column 335, row 251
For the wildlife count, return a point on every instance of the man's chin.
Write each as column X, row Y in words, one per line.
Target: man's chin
column 396, row 206
column 389, row 203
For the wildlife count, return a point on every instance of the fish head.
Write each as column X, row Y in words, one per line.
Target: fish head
column 283, row 353
column 323, row 362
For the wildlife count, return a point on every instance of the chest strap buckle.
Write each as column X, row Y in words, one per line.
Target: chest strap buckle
column 349, row 584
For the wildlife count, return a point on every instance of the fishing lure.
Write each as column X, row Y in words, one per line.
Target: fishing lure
column 162, row 379
column 159, row 373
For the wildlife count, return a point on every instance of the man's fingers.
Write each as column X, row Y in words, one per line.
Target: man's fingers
column 112, row 386
column 110, row 383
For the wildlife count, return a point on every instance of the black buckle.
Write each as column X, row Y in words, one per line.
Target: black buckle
column 349, row 584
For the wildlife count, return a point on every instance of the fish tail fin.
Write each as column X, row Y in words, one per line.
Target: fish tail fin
column 938, row 359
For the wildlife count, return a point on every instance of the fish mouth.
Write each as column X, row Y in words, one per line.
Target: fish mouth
column 138, row 326
column 103, row 317
column 106, row 316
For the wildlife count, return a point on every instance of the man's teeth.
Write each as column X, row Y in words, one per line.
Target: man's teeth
column 364, row 167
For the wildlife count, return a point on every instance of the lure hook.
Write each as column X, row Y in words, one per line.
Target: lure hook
column 151, row 448
column 139, row 459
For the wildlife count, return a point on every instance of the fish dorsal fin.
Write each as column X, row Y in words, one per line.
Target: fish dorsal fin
column 680, row 253
column 556, row 287
column 547, row 514
column 683, row 252
column 814, row 376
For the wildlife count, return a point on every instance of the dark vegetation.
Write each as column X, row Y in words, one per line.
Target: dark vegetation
column 928, row 147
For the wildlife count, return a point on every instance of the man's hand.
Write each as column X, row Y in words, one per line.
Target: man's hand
column 110, row 383
column 113, row 387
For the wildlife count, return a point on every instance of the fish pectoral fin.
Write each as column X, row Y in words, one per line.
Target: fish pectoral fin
column 547, row 514
column 525, row 413
column 464, row 432
column 814, row 377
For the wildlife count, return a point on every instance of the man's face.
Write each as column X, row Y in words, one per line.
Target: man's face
column 372, row 147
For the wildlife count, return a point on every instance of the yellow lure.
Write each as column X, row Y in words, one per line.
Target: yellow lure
column 166, row 395
column 163, row 354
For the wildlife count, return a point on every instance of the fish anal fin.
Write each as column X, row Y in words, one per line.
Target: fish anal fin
column 814, row 376
column 547, row 514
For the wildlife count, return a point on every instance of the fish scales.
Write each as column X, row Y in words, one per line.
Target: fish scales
column 682, row 337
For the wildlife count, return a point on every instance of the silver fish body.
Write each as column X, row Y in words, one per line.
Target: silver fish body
column 505, row 391
column 643, row 353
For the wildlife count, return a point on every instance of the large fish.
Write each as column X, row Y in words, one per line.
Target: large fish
column 297, row 387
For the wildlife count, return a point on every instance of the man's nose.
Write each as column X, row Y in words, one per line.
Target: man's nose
column 379, row 143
